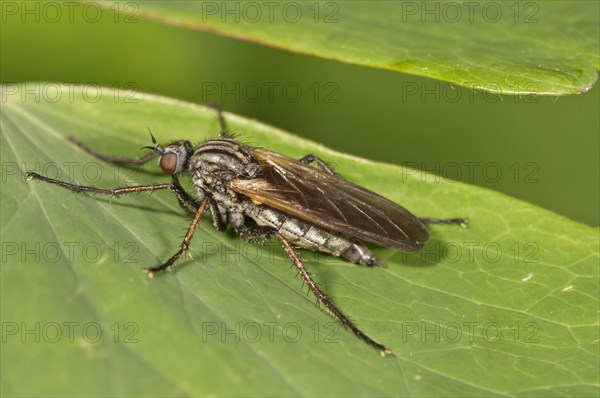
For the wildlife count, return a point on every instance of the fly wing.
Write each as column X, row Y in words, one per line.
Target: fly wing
column 331, row 202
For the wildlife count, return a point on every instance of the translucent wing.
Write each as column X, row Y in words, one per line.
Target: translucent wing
column 331, row 202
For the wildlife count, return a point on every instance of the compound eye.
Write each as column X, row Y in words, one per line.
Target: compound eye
column 168, row 162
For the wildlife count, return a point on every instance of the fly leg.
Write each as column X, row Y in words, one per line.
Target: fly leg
column 224, row 130
column 308, row 159
column 186, row 201
column 218, row 215
column 383, row 350
column 186, row 240
column 114, row 159
column 174, row 186
column 463, row 222
column 84, row 188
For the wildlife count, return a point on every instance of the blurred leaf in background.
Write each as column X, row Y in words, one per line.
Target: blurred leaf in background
column 502, row 47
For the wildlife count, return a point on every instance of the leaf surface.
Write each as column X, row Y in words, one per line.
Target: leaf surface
column 508, row 306
column 516, row 47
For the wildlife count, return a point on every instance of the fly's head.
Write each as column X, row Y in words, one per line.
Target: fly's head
column 173, row 157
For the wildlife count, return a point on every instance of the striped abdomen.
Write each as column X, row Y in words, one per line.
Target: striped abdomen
column 312, row 237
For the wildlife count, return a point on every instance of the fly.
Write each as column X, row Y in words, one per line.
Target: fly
column 265, row 194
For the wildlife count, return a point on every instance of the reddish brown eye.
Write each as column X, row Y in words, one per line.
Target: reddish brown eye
column 168, row 163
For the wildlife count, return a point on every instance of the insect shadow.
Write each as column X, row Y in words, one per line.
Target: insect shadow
column 436, row 251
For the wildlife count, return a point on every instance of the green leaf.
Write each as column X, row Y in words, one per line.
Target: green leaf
column 520, row 47
column 508, row 306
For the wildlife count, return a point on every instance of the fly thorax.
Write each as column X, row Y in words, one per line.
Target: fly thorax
column 216, row 163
